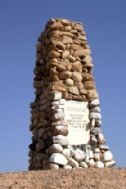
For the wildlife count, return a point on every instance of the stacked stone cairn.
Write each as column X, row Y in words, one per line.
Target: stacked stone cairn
column 63, row 72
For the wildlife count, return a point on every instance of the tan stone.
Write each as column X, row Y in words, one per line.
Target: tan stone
column 78, row 27
column 73, row 90
column 88, row 59
column 65, row 54
column 65, row 21
column 77, row 66
column 54, row 77
column 76, row 76
column 65, row 75
column 69, row 82
column 56, row 25
column 58, row 44
column 54, row 54
column 92, row 94
column 71, row 58
column 87, row 76
column 58, row 86
column 68, row 66
column 83, row 91
column 75, row 46
column 80, row 53
column 67, row 28
column 79, row 84
column 67, row 39
column 89, row 85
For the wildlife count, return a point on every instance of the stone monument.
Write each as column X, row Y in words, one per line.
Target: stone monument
column 65, row 115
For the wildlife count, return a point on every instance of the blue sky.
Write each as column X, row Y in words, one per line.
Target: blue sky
column 21, row 22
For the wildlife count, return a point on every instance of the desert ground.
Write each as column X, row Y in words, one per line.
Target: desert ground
column 93, row 178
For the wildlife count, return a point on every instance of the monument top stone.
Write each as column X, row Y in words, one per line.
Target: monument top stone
column 65, row 115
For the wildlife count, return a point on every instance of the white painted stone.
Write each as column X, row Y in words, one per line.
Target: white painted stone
column 96, row 109
column 94, row 115
column 58, row 158
column 97, row 156
column 87, row 158
column 62, row 101
column 92, row 123
column 94, row 102
column 98, row 123
column 60, row 139
column 83, row 164
column 101, row 138
column 55, row 148
column 73, row 163
column 57, row 95
column 91, row 163
column 107, row 156
column 99, row 164
column 103, row 147
column 53, row 166
column 110, row 163
column 67, row 167
column 58, row 116
column 76, row 114
column 97, row 150
column 91, row 155
column 67, row 152
column 79, row 155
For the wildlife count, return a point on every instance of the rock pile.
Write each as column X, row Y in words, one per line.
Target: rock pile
column 63, row 72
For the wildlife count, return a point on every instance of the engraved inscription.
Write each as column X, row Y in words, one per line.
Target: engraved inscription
column 76, row 114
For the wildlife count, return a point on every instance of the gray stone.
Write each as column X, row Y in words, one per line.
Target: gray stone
column 61, row 129
column 107, row 156
column 41, row 132
column 58, row 158
column 60, row 139
column 94, row 115
column 55, row 148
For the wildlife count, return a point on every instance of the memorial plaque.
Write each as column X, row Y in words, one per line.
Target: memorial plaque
column 76, row 114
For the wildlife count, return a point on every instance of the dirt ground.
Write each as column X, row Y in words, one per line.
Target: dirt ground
column 65, row 179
